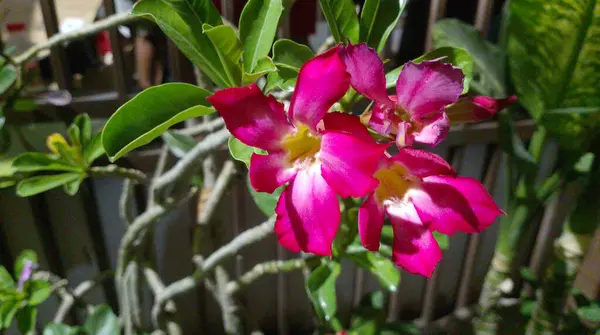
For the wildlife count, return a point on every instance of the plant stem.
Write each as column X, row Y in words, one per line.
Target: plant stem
column 117, row 171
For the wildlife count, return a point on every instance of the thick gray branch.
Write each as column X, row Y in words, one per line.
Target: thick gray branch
column 272, row 267
column 220, row 186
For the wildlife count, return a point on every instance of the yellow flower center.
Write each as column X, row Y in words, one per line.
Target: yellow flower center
column 302, row 146
column 394, row 182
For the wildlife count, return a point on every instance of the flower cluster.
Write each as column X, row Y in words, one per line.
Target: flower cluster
column 321, row 155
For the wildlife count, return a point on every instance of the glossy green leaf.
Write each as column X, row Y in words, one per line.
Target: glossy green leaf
column 59, row 329
column 442, row 240
column 182, row 21
column 320, row 285
column 382, row 268
column 368, row 315
column 289, row 57
column 258, row 26
column 342, row 19
column 378, row 19
column 102, row 322
column 455, row 56
column 35, row 161
column 8, row 76
column 6, row 280
column 177, row 143
column 590, row 313
column 573, row 128
column 266, row 202
column 229, row 49
column 74, row 136
column 72, row 187
column 265, row 66
column 151, row 113
column 38, row 291
column 8, row 309
column 26, row 317
column 553, row 48
column 84, row 124
column 489, row 61
column 512, row 144
column 38, row 184
column 24, row 105
column 240, row 151
column 25, row 256
column 94, row 149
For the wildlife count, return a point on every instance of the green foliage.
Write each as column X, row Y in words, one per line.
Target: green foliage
column 102, row 321
column 8, row 76
column 342, row 19
column 26, row 319
column 177, row 143
column 544, row 78
column 289, row 57
column 573, row 128
column 8, row 309
column 382, row 268
column 24, row 257
column 258, row 26
column 37, row 161
column 240, row 151
column 320, row 286
column 489, row 61
column 60, row 329
column 229, row 50
column 377, row 20
column 266, row 202
column 38, row 184
column 151, row 113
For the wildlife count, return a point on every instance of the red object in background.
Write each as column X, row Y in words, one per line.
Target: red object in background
column 103, row 43
column 14, row 27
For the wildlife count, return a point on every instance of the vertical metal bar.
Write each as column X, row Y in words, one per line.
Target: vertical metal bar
column 428, row 312
column 58, row 58
column 483, row 15
column 117, row 51
column 359, row 279
column 463, row 298
column 98, row 243
column 436, row 11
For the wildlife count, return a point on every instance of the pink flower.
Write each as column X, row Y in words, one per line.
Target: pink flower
column 321, row 155
column 420, row 193
column 417, row 113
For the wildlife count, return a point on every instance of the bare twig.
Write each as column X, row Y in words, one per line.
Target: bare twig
column 220, row 186
column 117, row 171
column 227, row 251
column 157, row 286
column 202, row 128
column 271, row 267
column 232, row 322
column 125, row 202
column 108, row 22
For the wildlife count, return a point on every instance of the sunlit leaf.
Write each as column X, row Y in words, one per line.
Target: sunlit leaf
column 342, row 19
column 258, row 26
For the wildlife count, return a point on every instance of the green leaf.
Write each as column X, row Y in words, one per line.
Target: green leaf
column 320, row 285
column 74, row 136
column 102, row 322
column 59, row 329
column 590, row 313
column 72, row 187
column 489, row 60
column 8, row 309
column 24, row 105
column 368, row 316
column 511, row 143
column 553, row 48
column 24, row 257
column 26, row 317
column 93, row 150
column 240, row 151
column 6, row 280
column 150, row 113
column 38, row 291
column 442, row 240
column 229, row 49
column 342, row 19
column 455, row 56
column 266, row 202
column 382, row 268
column 573, row 128
column 264, row 66
column 182, row 21
column 289, row 57
column 258, row 26
column 178, row 144
column 38, row 184
column 528, row 307
column 35, row 161
column 377, row 20
column 8, row 76
column 84, row 124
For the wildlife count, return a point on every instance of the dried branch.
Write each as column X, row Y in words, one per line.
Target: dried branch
column 220, row 186
column 117, row 171
column 125, row 202
column 157, row 286
column 202, row 128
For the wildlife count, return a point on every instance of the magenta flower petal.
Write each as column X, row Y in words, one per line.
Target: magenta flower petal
column 370, row 222
column 346, row 123
column 428, row 87
column 433, row 131
column 366, row 72
column 312, row 209
column 421, row 163
column 268, row 172
column 348, row 163
column 415, row 249
column 322, row 81
column 283, row 227
column 475, row 109
column 383, row 119
column 253, row 118
column 453, row 205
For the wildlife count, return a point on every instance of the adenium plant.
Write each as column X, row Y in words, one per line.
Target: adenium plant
column 319, row 154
